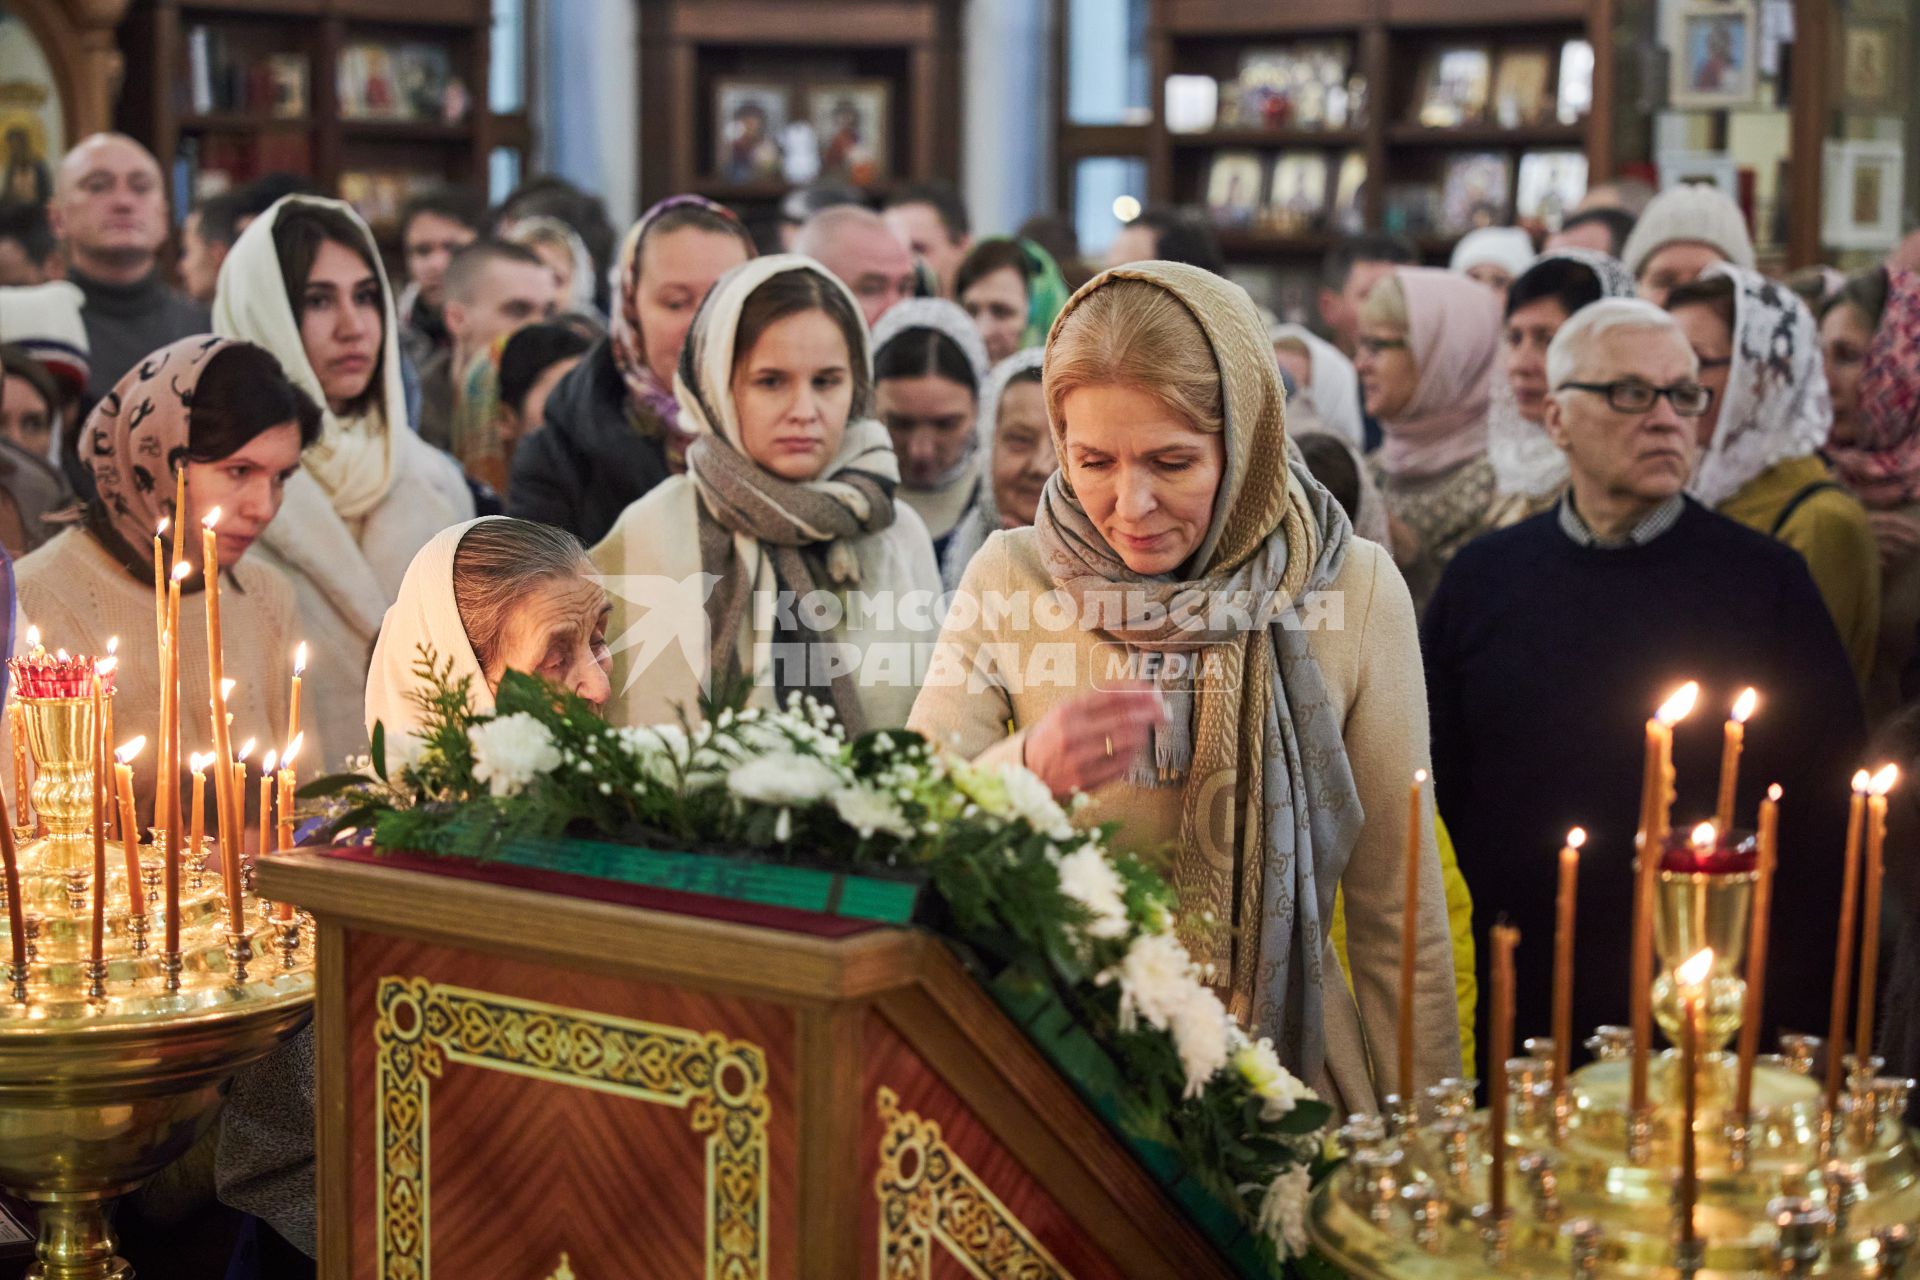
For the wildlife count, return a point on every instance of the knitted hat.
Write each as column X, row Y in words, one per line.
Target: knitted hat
column 1507, row 247
column 44, row 321
column 1692, row 213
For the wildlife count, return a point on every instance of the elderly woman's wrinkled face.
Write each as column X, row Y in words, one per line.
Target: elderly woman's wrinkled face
column 1145, row 475
column 1387, row 372
column 793, row 393
column 558, row 631
column 1023, row 456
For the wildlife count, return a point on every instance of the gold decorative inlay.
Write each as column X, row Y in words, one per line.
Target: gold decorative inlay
column 720, row 1082
column 928, row 1195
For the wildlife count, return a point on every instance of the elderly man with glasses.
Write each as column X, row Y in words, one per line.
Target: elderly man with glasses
column 1548, row 645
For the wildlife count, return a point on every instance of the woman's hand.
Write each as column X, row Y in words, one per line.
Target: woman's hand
column 1089, row 741
column 1898, row 535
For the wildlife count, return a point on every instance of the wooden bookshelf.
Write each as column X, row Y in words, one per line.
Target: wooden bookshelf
column 353, row 94
column 1390, row 43
column 690, row 48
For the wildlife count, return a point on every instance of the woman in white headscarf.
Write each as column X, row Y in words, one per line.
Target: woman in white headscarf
column 565, row 254
column 781, row 555
column 1017, row 458
column 1530, row 470
column 929, row 365
column 1493, row 256
column 305, row 281
column 1328, row 386
column 483, row 598
column 1759, row 353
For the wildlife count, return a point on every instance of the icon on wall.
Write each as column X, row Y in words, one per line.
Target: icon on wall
column 32, row 121
column 750, row 117
column 851, row 119
column 1713, row 54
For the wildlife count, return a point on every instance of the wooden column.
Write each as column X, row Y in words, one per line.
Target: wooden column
column 1811, row 108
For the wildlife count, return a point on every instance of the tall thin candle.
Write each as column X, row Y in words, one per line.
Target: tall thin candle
column 1657, row 801
column 1409, row 936
column 266, row 803
column 179, row 512
column 285, row 909
column 113, row 821
column 97, row 950
column 1505, row 938
column 222, row 740
column 17, row 730
column 159, row 581
column 129, row 827
column 293, row 700
column 1692, row 977
column 1754, row 1002
column 1877, row 787
column 170, row 775
column 16, row 911
column 1563, row 957
column 1731, row 746
column 197, row 840
column 1843, row 947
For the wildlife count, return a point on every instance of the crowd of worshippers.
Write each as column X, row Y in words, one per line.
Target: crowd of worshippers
column 1545, row 485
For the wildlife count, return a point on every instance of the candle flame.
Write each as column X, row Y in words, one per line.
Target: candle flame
column 1743, row 706
column 1774, row 793
column 131, row 748
column 266, row 765
column 1419, row 777
column 1861, row 781
column 293, row 749
column 63, row 655
column 1705, row 836
column 246, row 749
column 113, row 644
column 160, row 529
column 1883, row 781
column 199, row 761
column 300, row 659
column 1695, row 970
column 226, row 687
column 1680, row 705
column 33, row 637
column 180, row 570
column 211, row 519
column 1577, row 838
column 106, row 665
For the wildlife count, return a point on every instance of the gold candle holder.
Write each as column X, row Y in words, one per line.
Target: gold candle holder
column 1699, row 909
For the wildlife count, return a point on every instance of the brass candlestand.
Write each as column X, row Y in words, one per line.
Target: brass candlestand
column 1413, row 1203
column 99, row 1091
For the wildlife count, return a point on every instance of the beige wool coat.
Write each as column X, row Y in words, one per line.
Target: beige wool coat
column 1368, row 651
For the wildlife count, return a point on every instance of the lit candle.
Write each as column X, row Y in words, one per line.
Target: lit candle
column 129, row 828
column 1656, row 803
column 1505, row 938
column 1410, row 937
column 293, row 702
column 197, row 841
column 159, row 581
column 1843, row 948
column 1877, row 787
column 16, row 912
column 97, row 952
column 239, row 791
column 1735, row 740
column 179, row 510
column 113, row 650
column 1692, row 977
column 34, row 648
column 170, row 758
column 1754, row 1001
column 17, row 728
column 266, row 803
column 1563, row 958
column 224, row 798
column 285, row 909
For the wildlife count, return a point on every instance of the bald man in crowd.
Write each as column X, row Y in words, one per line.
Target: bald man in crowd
column 866, row 254
column 109, row 212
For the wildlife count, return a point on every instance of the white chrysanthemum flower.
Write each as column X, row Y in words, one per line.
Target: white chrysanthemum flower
column 1090, row 880
column 1200, row 1034
column 404, row 753
column 784, row 779
column 1278, row 1088
column 1029, row 798
column 1283, row 1212
column 868, row 811
column 512, row 751
column 1156, row 978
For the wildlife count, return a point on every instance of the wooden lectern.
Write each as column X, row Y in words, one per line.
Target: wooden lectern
column 520, row 1083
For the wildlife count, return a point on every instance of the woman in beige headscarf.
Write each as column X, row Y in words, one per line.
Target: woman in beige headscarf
column 1242, row 756
column 305, row 281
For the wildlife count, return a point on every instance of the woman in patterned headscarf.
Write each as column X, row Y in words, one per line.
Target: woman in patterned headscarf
column 226, row 413
column 1759, row 352
column 780, row 556
column 1871, row 336
column 614, row 429
column 1179, row 525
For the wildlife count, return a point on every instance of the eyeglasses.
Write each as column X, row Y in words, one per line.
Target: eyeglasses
column 1374, row 346
column 1632, row 395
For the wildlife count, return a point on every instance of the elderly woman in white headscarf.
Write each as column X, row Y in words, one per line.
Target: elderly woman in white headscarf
column 1493, row 256
column 1259, row 757
column 1759, row 352
column 483, row 598
column 1530, row 470
column 1329, row 389
column 929, row 365
column 783, row 537
column 1017, row 459
column 305, row 281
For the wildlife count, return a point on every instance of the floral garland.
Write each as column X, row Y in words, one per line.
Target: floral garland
column 1022, row 887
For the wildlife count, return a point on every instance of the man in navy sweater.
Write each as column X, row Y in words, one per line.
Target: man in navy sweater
column 1549, row 644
